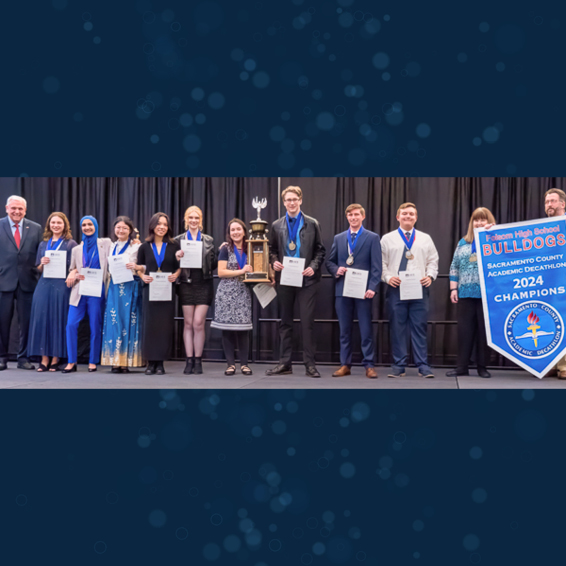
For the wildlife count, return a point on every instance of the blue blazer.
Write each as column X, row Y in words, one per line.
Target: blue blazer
column 367, row 257
column 18, row 265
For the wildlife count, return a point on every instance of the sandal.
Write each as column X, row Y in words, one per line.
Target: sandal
column 246, row 370
column 230, row 370
column 42, row 368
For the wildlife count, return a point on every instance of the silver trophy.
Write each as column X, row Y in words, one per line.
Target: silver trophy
column 258, row 249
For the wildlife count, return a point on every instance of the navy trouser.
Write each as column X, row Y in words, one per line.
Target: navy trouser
column 95, row 308
column 408, row 316
column 345, row 309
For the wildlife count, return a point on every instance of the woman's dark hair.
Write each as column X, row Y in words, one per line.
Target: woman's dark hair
column 126, row 220
column 153, row 225
column 229, row 238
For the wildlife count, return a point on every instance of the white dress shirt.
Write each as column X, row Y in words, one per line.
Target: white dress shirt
column 393, row 249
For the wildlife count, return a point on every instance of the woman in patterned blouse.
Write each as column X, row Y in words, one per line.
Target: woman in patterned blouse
column 465, row 291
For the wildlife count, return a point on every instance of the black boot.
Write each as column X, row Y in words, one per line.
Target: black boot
column 189, row 368
column 198, row 365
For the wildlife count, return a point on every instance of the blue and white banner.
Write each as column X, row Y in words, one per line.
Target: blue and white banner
column 522, row 269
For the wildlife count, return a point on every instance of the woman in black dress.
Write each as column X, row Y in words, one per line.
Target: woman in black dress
column 157, row 254
column 195, row 290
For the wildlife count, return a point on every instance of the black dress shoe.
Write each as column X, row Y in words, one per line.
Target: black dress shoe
column 311, row 371
column 74, row 368
column 160, row 370
column 25, row 365
column 116, row 370
column 190, row 366
column 280, row 369
column 483, row 373
column 151, row 369
column 91, row 370
column 3, row 366
column 456, row 373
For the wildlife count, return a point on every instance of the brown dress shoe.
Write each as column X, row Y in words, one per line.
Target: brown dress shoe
column 344, row 370
column 562, row 374
column 371, row 373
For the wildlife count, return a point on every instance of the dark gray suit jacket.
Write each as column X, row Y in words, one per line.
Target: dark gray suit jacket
column 312, row 248
column 17, row 266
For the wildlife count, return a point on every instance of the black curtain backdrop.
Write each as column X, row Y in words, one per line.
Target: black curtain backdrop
column 444, row 205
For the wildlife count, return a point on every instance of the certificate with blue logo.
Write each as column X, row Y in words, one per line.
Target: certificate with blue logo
column 522, row 270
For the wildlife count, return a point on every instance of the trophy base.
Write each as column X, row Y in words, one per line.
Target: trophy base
column 257, row 277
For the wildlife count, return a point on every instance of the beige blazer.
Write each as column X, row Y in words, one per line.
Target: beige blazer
column 104, row 247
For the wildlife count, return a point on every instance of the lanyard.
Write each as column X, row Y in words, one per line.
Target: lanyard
column 159, row 257
column 190, row 237
column 241, row 259
column 474, row 246
column 123, row 249
column 55, row 246
column 293, row 233
column 87, row 260
column 353, row 243
column 409, row 243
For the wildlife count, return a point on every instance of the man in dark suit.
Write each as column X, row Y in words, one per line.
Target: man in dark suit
column 19, row 240
column 356, row 249
column 296, row 235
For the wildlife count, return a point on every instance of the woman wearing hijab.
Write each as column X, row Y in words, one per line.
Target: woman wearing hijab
column 121, row 339
column 465, row 291
column 50, row 305
column 90, row 259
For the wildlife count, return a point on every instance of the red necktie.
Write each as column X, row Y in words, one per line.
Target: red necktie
column 17, row 235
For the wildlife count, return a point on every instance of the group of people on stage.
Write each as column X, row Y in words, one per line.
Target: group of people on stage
column 125, row 286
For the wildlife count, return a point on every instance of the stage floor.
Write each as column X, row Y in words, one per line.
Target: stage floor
column 214, row 378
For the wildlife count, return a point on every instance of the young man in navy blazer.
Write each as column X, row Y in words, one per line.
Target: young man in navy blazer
column 19, row 240
column 356, row 248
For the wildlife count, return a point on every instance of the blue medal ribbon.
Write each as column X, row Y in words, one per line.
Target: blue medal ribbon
column 51, row 246
column 87, row 260
column 293, row 233
column 354, row 242
column 409, row 242
column 124, row 248
column 240, row 258
column 474, row 246
column 190, row 237
column 159, row 257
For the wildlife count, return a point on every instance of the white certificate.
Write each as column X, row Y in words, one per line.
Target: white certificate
column 57, row 266
column 160, row 289
column 193, row 254
column 411, row 287
column 292, row 274
column 91, row 285
column 355, row 283
column 117, row 266
column 265, row 294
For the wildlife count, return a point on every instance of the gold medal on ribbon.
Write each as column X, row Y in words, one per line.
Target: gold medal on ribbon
column 409, row 255
column 474, row 257
column 350, row 260
column 292, row 246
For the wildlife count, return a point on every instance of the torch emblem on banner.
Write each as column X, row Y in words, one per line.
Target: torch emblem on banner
column 532, row 319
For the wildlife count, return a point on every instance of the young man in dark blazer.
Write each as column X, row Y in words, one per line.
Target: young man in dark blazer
column 356, row 248
column 19, row 240
column 296, row 235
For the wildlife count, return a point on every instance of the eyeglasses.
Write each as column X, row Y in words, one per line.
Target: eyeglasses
column 290, row 200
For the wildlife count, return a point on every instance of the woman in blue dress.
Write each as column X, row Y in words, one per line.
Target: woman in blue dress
column 50, row 305
column 121, row 339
